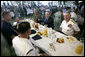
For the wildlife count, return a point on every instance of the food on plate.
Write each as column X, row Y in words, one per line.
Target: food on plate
column 79, row 49
column 60, row 40
column 70, row 39
column 36, row 26
column 42, row 33
column 45, row 32
column 39, row 33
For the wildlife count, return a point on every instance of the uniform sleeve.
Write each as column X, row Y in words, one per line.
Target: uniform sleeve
column 23, row 48
column 30, row 53
column 27, row 50
column 75, row 27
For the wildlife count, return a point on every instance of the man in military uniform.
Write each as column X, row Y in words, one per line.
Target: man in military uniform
column 36, row 16
column 69, row 26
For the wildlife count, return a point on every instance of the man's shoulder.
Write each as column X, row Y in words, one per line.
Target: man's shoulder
column 21, row 41
column 3, row 25
column 18, row 39
column 3, row 22
column 72, row 21
column 22, row 45
column 63, row 21
column 15, row 38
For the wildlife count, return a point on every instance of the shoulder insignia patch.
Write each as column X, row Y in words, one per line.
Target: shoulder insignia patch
column 73, row 21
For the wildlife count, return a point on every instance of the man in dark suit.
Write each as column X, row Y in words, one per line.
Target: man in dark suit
column 48, row 20
column 7, row 29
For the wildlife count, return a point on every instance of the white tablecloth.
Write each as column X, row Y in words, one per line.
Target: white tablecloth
column 60, row 49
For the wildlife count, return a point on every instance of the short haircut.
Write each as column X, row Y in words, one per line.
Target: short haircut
column 23, row 27
column 5, row 13
column 68, row 12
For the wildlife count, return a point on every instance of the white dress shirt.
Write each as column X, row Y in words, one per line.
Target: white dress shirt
column 23, row 47
column 67, row 29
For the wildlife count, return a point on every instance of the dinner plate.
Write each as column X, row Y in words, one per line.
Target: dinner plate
column 70, row 39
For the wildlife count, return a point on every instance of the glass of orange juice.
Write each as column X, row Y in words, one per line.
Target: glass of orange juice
column 79, row 49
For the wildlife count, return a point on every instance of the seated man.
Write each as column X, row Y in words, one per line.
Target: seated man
column 48, row 20
column 37, row 16
column 21, row 43
column 69, row 26
column 6, row 28
column 16, row 22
